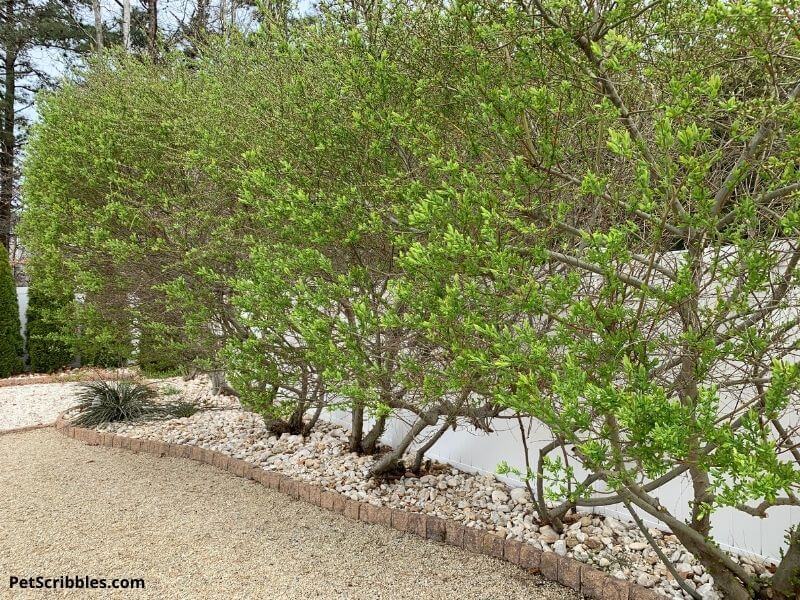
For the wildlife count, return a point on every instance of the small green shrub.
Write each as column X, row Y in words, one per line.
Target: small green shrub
column 178, row 410
column 102, row 339
column 107, row 358
column 169, row 390
column 10, row 336
column 104, row 349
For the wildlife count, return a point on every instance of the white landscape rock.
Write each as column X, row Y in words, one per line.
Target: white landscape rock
column 707, row 592
column 34, row 404
column 548, row 535
column 684, row 569
column 499, row 497
column 646, row 580
column 519, row 495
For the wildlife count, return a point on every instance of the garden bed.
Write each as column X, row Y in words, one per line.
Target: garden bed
column 478, row 501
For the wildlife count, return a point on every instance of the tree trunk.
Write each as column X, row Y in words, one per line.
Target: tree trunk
column 8, row 134
column 356, row 428
column 295, row 420
column 551, row 518
column 278, row 427
column 223, row 15
column 313, row 421
column 729, row 577
column 420, row 453
column 219, row 386
column 152, row 28
column 730, row 585
column 279, row 11
column 391, row 460
column 370, row 442
column 126, row 25
column 688, row 392
column 786, row 581
column 98, row 25
column 200, row 25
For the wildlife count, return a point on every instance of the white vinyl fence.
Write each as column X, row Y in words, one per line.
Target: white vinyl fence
column 477, row 451
column 22, row 300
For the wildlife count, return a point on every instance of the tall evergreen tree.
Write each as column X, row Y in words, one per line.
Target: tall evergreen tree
column 48, row 349
column 10, row 336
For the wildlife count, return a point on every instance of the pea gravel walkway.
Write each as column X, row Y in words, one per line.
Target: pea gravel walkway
column 192, row 531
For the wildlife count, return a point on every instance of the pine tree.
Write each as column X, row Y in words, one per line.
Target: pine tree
column 10, row 336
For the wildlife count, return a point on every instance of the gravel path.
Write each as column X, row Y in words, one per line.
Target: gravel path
column 192, row 531
column 35, row 404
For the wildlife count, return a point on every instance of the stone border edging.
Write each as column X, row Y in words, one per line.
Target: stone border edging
column 26, row 428
column 569, row 572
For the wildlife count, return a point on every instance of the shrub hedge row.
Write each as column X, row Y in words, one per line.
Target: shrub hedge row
column 465, row 214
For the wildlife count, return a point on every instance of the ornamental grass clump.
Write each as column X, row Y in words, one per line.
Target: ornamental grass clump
column 124, row 400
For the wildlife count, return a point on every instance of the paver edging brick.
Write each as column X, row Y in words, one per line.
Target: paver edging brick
column 315, row 497
column 454, row 533
column 530, row 558
column 638, row 592
column 590, row 582
column 352, row 509
column 569, row 573
column 493, row 545
column 436, row 529
column 303, row 491
column 326, row 500
column 549, row 566
column 273, row 480
column 399, row 519
column 473, row 539
column 375, row 515
column 511, row 551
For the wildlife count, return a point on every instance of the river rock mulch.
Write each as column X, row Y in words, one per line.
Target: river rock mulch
column 480, row 501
